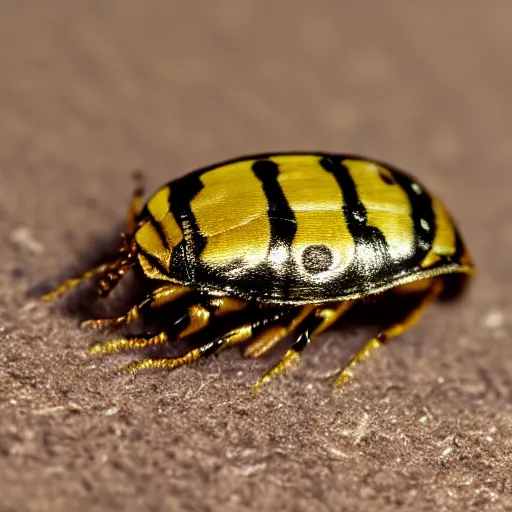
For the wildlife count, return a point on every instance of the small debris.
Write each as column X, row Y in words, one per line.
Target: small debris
column 112, row 411
column 337, row 453
column 48, row 410
column 494, row 319
column 447, row 451
column 71, row 407
column 74, row 407
column 24, row 239
column 362, row 428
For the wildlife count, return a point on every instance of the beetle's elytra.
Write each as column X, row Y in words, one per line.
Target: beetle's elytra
column 288, row 242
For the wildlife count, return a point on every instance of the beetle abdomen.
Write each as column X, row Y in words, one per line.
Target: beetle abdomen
column 298, row 228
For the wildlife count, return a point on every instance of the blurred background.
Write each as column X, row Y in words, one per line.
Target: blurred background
column 91, row 90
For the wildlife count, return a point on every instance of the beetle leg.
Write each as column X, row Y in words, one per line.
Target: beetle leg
column 122, row 344
column 235, row 336
column 155, row 299
column 199, row 315
column 315, row 321
column 274, row 334
column 113, row 272
column 293, row 354
column 74, row 281
column 198, row 318
column 271, row 336
column 392, row 331
column 330, row 315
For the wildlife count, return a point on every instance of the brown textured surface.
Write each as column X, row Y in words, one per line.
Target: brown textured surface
column 89, row 91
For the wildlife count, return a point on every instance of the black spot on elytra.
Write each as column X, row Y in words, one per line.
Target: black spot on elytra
column 316, row 259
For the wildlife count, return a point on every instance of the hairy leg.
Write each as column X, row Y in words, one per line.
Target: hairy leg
column 157, row 298
column 115, row 270
column 198, row 316
column 316, row 320
column 235, row 336
column 412, row 318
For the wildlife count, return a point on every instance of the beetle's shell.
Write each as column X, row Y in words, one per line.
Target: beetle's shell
column 297, row 228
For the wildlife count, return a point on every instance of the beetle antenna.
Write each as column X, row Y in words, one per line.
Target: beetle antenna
column 112, row 272
column 117, row 269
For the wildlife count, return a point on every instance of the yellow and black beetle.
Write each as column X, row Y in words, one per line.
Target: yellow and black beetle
column 292, row 241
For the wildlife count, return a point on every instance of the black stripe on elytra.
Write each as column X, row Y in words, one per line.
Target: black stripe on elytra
column 185, row 256
column 459, row 247
column 159, row 229
column 356, row 215
column 283, row 224
column 155, row 262
column 423, row 217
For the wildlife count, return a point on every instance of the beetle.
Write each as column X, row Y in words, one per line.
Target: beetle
column 282, row 243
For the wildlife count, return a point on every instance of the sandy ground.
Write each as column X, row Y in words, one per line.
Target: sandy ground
column 91, row 90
